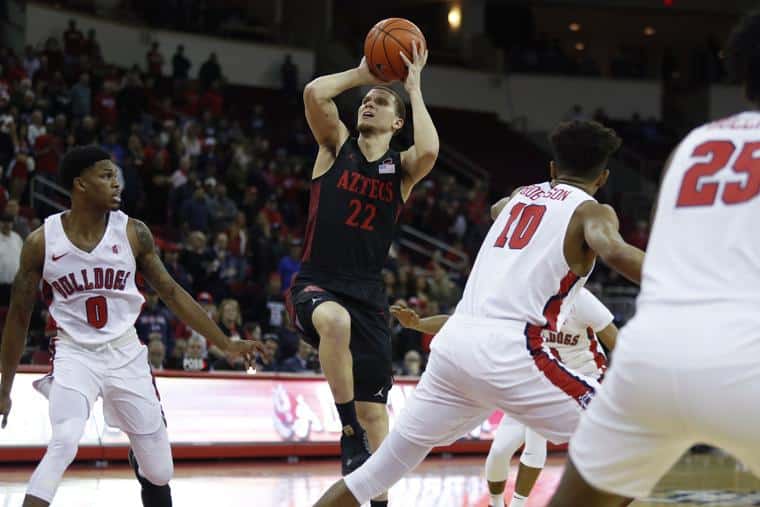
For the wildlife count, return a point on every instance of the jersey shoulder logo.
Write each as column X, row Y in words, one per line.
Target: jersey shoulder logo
column 387, row 167
column 56, row 257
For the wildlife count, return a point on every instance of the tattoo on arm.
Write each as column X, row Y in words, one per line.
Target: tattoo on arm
column 151, row 266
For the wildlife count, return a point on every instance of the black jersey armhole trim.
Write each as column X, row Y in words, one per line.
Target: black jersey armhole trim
column 337, row 156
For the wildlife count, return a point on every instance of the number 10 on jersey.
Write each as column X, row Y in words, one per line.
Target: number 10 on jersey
column 528, row 218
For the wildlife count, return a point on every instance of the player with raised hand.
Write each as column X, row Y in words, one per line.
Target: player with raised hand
column 359, row 185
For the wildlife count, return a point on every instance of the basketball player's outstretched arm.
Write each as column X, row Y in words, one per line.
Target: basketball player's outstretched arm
column 176, row 298
column 23, row 297
column 408, row 318
column 419, row 159
column 321, row 111
column 602, row 235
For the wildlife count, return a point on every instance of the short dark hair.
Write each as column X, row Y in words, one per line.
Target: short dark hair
column 742, row 54
column 581, row 148
column 79, row 159
column 400, row 104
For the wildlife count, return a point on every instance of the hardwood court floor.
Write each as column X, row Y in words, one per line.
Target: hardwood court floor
column 704, row 480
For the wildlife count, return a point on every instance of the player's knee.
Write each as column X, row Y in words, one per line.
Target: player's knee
column 158, row 473
column 65, row 440
column 373, row 417
column 332, row 321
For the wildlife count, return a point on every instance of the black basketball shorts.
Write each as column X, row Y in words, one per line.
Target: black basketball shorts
column 370, row 338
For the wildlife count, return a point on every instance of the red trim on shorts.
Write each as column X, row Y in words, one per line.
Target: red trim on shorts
column 599, row 358
column 555, row 372
column 311, row 224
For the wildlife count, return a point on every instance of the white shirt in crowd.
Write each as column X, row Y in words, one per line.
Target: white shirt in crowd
column 10, row 256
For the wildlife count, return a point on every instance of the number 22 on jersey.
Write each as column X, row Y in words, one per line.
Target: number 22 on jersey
column 694, row 192
column 527, row 218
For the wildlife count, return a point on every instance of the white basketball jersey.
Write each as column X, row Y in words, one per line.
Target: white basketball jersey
column 704, row 250
column 520, row 273
column 576, row 344
column 95, row 298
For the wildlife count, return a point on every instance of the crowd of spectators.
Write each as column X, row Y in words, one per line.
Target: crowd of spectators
column 225, row 195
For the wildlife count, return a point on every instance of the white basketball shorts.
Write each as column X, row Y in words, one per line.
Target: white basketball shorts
column 117, row 371
column 671, row 385
column 477, row 365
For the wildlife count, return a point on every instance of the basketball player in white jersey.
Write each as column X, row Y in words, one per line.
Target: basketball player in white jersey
column 577, row 346
column 686, row 368
column 490, row 354
column 89, row 255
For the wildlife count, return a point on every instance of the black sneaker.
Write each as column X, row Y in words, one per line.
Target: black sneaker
column 354, row 451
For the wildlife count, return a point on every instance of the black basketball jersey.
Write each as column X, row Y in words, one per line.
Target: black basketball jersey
column 353, row 211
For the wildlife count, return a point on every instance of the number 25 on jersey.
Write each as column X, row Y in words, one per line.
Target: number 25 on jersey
column 694, row 192
column 528, row 218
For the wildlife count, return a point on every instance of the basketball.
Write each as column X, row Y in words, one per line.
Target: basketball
column 383, row 44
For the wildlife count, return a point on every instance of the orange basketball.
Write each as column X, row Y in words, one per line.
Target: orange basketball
column 383, row 44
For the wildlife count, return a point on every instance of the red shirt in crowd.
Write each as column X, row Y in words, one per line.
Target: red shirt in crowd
column 105, row 108
column 155, row 62
column 47, row 150
column 212, row 101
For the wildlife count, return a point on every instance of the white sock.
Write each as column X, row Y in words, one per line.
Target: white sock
column 497, row 500
column 518, row 500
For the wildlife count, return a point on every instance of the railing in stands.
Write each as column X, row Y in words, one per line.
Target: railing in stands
column 456, row 162
column 43, row 190
column 426, row 245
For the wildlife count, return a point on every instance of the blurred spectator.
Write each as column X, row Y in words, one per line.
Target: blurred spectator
column 31, row 62
column 155, row 61
column 180, row 64
column 154, row 321
column 290, row 264
column 195, row 354
column 222, row 209
column 106, row 110
column 195, row 258
column 209, row 72
column 230, row 323
column 267, row 361
column 225, row 270
column 412, row 364
column 20, row 223
column 302, row 362
column 92, row 48
column 575, row 113
column 639, row 237
column 10, row 252
column 156, row 355
column 289, row 76
column 195, row 212
column 175, row 268
column 36, row 127
column 275, row 303
column 73, row 40
column 81, row 97
column 176, row 360
column 18, row 173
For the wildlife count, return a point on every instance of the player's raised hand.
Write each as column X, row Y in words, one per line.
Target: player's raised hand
column 367, row 76
column 5, row 408
column 414, row 67
column 406, row 316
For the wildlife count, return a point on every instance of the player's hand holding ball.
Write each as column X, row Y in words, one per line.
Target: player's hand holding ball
column 396, row 50
column 414, row 67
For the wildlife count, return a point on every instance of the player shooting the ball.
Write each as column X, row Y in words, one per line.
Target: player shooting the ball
column 359, row 185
